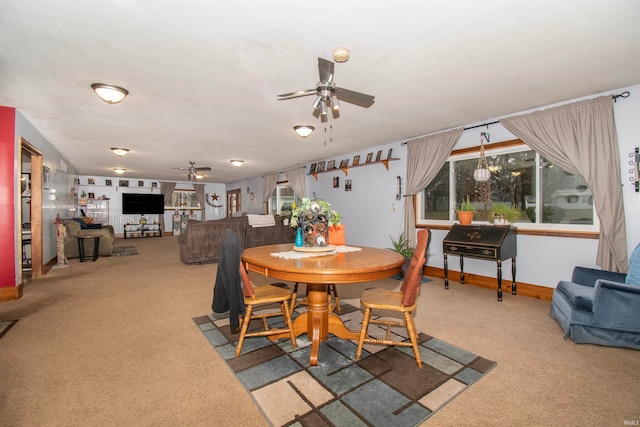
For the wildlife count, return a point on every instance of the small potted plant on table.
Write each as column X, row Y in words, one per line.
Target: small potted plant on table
column 502, row 214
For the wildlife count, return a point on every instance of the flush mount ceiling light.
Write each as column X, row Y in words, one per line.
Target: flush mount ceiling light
column 341, row 54
column 237, row 162
column 119, row 151
column 109, row 93
column 119, row 170
column 303, row 131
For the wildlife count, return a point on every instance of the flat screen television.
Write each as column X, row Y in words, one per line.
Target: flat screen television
column 138, row 204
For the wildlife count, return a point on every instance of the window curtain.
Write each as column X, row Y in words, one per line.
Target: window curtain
column 199, row 189
column 296, row 181
column 268, row 185
column 581, row 139
column 166, row 189
column 425, row 158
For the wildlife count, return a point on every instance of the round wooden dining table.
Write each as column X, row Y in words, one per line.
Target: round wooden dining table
column 317, row 272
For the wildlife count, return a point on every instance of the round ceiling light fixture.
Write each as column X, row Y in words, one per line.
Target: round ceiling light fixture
column 303, row 131
column 341, row 54
column 237, row 162
column 119, row 170
column 109, row 93
column 119, row 151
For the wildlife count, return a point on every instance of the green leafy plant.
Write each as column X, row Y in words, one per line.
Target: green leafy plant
column 402, row 245
column 510, row 214
column 466, row 206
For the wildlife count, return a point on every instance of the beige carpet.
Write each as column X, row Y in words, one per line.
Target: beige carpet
column 112, row 343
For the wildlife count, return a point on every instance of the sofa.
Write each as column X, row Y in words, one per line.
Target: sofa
column 201, row 240
column 76, row 226
column 600, row 307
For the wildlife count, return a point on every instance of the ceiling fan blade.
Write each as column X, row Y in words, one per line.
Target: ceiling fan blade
column 297, row 94
column 356, row 98
column 181, row 169
column 325, row 69
column 205, row 168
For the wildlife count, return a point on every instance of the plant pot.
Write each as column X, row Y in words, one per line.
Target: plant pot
column 465, row 217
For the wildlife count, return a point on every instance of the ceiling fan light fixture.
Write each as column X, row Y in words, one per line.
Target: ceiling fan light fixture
column 109, row 93
column 303, row 131
column 317, row 102
column 323, row 106
column 199, row 176
column 119, row 151
column 237, row 163
column 335, row 104
column 119, row 170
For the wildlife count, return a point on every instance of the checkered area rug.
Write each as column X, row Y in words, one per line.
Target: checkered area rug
column 384, row 388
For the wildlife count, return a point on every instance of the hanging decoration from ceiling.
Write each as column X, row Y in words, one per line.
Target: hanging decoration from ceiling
column 482, row 173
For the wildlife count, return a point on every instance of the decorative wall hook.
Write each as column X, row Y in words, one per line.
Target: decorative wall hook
column 399, row 192
column 634, row 170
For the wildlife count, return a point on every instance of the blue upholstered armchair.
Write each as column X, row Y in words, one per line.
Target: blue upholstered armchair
column 600, row 307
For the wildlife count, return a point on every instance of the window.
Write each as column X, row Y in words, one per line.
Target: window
column 183, row 199
column 548, row 197
column 281, row 200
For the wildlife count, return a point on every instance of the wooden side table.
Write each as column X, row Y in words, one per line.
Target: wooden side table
column 96, row 246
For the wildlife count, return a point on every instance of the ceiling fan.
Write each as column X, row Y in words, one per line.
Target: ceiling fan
column 328, row 94
column 193, row 171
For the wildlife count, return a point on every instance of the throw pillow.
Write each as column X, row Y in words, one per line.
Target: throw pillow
column 633, row 275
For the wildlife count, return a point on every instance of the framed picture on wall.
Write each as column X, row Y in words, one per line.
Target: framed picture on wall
column 92, row 196
column 154, row 185
column 389, row 154
column 107, row 182
column 331, row 165
column 336, row 182
column 123, row 183
column 379, row 156
column 356, row 160
column 25, row 184
column 312, row 168
column 369, row 157
column 321, row 166
column 140, row 183
column 347, row 185
column 344, row 163
column 91, row 181
column 46, row 177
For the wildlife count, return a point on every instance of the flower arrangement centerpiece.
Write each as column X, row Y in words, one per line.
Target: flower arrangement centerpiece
column 313, row 218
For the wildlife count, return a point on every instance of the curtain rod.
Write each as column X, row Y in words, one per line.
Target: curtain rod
column 624, row 94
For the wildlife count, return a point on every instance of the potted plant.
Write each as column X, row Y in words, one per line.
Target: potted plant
column 402, row 246
column 465, row 211
column 502, row 214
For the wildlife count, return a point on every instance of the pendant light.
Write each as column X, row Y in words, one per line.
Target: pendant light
column 482, row 173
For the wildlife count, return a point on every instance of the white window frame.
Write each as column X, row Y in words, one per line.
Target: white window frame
column 279, row 202
column 538, row 226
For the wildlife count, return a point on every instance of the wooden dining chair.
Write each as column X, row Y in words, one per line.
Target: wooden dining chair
column 332, row 297
column 402, row 301
column 262, row 296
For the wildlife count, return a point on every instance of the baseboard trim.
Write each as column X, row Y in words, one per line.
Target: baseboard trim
column 523, row 289
column 10, row 294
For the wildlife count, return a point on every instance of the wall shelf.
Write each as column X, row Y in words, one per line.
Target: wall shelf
column 345, row 169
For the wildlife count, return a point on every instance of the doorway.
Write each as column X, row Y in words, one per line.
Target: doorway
column 234, row 202
column 31, row 163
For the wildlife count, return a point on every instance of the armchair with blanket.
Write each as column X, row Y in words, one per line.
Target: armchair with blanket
column 600, row 307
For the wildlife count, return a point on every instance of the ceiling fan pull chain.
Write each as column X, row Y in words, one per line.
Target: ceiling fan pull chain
column 325, row 135
column 330, row 133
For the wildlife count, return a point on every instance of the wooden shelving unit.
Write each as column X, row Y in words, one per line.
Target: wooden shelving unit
column 385, row 162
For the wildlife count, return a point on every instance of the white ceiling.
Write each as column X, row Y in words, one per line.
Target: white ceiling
column 204, row 76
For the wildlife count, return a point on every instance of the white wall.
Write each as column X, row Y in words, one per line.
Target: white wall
column 371, row 214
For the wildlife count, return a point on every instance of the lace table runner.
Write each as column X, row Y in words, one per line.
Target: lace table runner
column 300, row 255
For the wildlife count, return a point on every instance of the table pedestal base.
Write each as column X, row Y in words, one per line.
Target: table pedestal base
column 317, row 322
